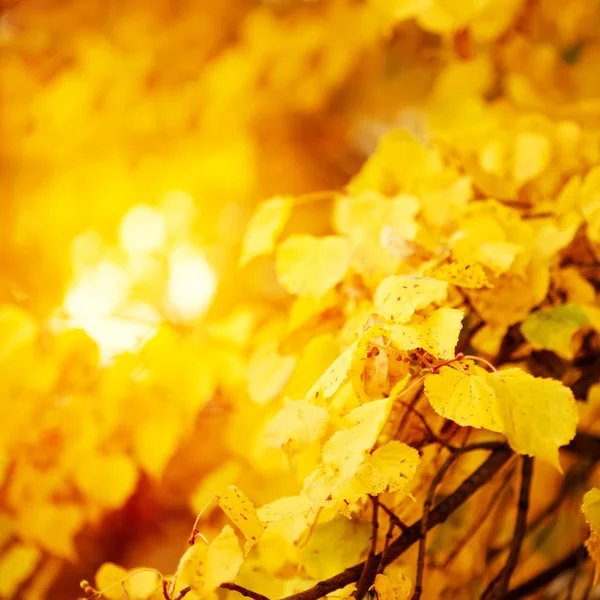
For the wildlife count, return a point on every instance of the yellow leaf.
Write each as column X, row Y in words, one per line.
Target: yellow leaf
column 379, row 229
column 155, row 442
column 310, row 266
column 531, row 157
column 107, row 479
column 592, row 545
column 346, row 449
column 538, row 415
column 18, row 330
column 400, row 10
column 464, row 396
column 334, row 546
column 290, row 515
column 462, row 273
column 315, row 357
column 109, row 580
column 513, row 296
column 397, row 587
column 488, row 339
column 345, row 367
column 53, row 527
column 348, row 472
column 399, row 165
column 224, row 559
column 296, row 425
column 265, row 225
column 142, row 584
column 268, row 372
column 591, row 508
column 243, row 514
column 437, row 333
column 225, row 474
column 17, row 563
column 390, row 468
column 204, row 567
column 553, row 328
column 399, row 296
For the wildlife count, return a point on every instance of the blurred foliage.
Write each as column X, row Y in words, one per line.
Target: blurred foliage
column 150, row 342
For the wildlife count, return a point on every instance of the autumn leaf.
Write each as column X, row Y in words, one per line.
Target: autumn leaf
column 204, row 567
column 348, row 364
column 462, row 273
column 297, row 424
column 243, row 514
column 464, row 396
column 591, row 510
column 398, row 297
column 265, row 225
column 310, row 266
column 437, row 333
column 268, row 372
column 392, row 587
column 538, row 415
column 17, row 563
column 290, row 515
column 553, row 328
column 341, row 540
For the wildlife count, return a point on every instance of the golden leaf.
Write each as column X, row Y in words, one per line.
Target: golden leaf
column 465, row 396
column 399, row 296
column 396, row 587
column 243, row 514
column 538, row 415
column 296, row 425
column 17, row 563
column 310, row 266
column 265, row 225
column 204, row 567
column 553, row 328
column 437, row 333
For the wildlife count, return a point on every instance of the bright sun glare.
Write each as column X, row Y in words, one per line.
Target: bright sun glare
column 100, row 298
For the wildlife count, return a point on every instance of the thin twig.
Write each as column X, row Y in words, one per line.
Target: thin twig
column 577, row 474
column 243, row 591
column 498, row 458
column 550, row 574
column 432, row 435
column 404, row 419
column 397, row 521
column 372, row 563
column 394, row 522
column 498, row 587
column 469, row 535
column 183, row 592
column 425, row 523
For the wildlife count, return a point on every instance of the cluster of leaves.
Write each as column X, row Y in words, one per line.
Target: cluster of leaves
column 441, row 306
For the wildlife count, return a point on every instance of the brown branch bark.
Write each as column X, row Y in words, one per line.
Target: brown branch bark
column 440, row 513
column 499, row 586
column 367, row 577
column 585, row 444
column 243, row 591
column 550, row 574
column 425, row 523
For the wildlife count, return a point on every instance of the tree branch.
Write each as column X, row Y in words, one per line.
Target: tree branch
column 367, row 577
column 495, row 461
column 243, row 591
column 499, row 585
column 425, row 523
column 584, row 444
column 550, row 574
